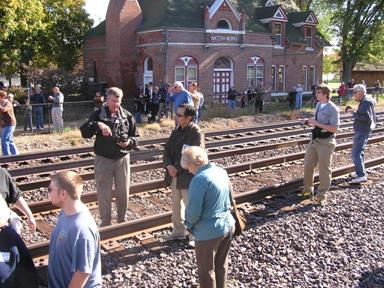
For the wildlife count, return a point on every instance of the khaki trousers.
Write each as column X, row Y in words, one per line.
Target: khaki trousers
column 108, row 171
column 179, row 202
column 319, row 151
column 212, row 261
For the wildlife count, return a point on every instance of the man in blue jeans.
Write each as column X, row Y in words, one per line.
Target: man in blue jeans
column 364, row 123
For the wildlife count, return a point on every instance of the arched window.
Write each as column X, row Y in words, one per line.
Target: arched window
column 186, row 70
column 223, row 24
column 223, row 63
column 148, row 64
column 148, row 70
column 255, row 71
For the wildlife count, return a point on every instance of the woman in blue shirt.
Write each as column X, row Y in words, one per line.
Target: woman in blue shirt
column 208, row 216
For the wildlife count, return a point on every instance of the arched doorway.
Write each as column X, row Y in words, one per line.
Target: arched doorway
column 222, row 78
column 148, row 71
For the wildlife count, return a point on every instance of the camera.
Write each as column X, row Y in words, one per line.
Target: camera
column 347, row 109
column 120, row 131
column 305, row 122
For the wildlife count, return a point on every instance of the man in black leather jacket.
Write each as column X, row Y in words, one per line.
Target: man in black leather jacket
column 116, row 133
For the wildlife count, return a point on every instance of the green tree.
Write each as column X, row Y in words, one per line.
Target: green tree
column 41, row 32
column 358, row 26
column 330, row 64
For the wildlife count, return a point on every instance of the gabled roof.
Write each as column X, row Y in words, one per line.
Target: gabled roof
column 269, row 13
column 216, row 6
column 173, row 13
column 300, row 18
column 99, row 30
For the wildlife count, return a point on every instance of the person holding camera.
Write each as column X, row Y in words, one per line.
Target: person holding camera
column 116, row 133
column 364, row 121
column 321, row 146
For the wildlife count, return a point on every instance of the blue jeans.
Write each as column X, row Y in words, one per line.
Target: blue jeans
column 299, row 101
column 359, row 143
column 138, row 117
column 39, row 118
column 7, row 145
column 232, row 104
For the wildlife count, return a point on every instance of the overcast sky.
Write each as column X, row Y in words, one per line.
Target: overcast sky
column 97, row 9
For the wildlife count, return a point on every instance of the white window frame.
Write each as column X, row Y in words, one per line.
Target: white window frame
column 280, row 35
column 305, row 78
column 312, row 69
column 225, row 29
column 274, row 78
column 309, row 37
column 284, row 76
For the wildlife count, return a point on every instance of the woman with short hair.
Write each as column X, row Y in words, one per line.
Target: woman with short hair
column 208, row 216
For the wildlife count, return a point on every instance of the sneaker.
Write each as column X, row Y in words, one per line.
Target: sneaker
column 191, row 244
column 320, row 200
column 359, row 180
column 172, row 237
column 353, row 175
column 306, row 194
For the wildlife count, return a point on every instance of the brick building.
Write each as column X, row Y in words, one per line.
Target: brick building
column 218, row 43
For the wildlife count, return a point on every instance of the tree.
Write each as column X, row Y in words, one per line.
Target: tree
column 330, row 64
column 41, row 32
column 359, row 27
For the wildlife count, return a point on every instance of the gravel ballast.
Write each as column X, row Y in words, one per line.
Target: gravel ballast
column 338, row 245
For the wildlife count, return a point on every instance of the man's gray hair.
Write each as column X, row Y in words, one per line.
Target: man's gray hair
column 179, row 84
column 114, row 91
column 360, row 87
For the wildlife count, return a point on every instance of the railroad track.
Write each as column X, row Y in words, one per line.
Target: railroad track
column 216, row 152
column 124, row 230
column 45, row 205
column 150, row 144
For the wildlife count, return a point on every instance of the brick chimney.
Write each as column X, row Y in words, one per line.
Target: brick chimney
column 122, row 20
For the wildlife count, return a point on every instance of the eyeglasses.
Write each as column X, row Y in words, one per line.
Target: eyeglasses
column 180, row 115
column 354, row 92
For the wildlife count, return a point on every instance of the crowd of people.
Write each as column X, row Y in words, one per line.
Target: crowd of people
column 200, row 191
column 157, row 102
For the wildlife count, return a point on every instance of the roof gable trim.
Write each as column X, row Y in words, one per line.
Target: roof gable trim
column 216, row 6
column 269, row 3
column 278, row 16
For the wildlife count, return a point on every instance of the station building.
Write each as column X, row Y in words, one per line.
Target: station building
column 218, row 43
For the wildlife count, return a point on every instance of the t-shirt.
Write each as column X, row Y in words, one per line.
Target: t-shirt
column 328, row 114
column 8, row 188
column 75, row 245
column 16, row 264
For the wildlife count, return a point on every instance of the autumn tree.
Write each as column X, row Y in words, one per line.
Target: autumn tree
column 41, row 32
column 358, row 26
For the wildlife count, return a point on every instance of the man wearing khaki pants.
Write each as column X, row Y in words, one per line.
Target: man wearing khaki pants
column 322, row 144
column 186, row 134
column 115, row 131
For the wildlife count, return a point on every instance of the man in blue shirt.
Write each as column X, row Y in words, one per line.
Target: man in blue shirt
column 180, row 96
column 364, row 121
column 74, row 251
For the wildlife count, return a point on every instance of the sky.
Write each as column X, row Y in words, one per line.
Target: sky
column 97, row 9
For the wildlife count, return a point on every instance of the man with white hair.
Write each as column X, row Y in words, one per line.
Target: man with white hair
column 180, row 96
column 364, row 122
column 57, row 109
column 116, row 135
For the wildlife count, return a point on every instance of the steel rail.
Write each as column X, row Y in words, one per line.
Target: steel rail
column 45, row 205
column 25, row 171
column 135, row 226
column 153, row 141
column 216, row 155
